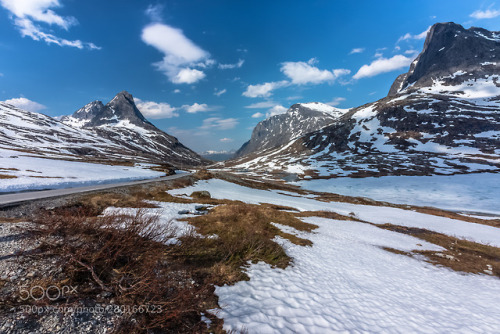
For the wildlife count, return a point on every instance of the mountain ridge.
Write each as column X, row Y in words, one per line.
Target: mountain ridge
column 435, row 120
column 115, row 131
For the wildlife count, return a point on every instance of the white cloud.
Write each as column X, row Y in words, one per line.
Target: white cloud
column 408, row 36
column 196, row 107
column 219, row 123
column 302, row 73
column 180, row 53
column 411, row 52
column 26, row 104
column 220, row 92
column 265, row 89
column 258, row 115
column 357, row 50
column 25, row 13
column 226, row 140
column 261, row 105
column 231, row 66
column 177, row 91
column 276, row 110
column 336, row 101
column 154, row 110
column 383, row 65
column 485, row 14
column 188, row 76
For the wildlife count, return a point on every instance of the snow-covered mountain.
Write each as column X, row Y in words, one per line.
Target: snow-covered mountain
column 115, row 131
column 300, row 119
column 442, row 117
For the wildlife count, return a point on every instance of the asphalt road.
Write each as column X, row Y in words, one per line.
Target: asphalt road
column 16, row 198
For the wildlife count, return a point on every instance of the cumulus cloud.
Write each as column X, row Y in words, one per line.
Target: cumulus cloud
column 408, row 36
column 258, row 115
column 485, row 14
column 220, row 92
column 383, row 65
column 26, row 104
column 28, row 14
column 231, row 66
column 276, row 110
column 336, row 101
column 154, row 110
column 181, row 55
column 265, row 89
column 226, row 140
column 357, row 50
column 196, row 107
column 302, row 73
column 261, row 105
column 219, row 123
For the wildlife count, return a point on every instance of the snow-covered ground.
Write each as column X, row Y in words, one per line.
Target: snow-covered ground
column 374, row 214
column 346, row 282
column 39, row 173
column 469, row 192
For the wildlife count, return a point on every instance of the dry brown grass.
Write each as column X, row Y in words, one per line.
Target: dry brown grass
column 325, row 214
column 126, row 258
column 243, row 233
column 460, row 255
column 203, row 174
column 7, row 176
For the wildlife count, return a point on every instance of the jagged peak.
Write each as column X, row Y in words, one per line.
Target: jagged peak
column 448, row 48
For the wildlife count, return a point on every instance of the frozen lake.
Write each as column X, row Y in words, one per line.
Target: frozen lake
column 469, row 192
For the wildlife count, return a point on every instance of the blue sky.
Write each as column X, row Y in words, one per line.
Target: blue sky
column 209, row 71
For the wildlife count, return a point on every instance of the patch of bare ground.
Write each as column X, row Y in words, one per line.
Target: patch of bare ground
column 326, row 214
column 122, row 261
column 7, row 176
column 460, row 255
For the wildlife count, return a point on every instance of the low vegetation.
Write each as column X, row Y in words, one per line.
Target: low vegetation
column 460, row 255
column 7, row 176
column 130, row 260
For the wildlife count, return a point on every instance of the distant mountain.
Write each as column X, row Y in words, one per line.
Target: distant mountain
column 300, row 119
column 441, row 117
column 218, row 155
column 115, row 131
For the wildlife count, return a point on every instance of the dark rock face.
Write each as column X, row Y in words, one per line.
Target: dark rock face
column 442, row 117
column 297, row 121
column 448, row 49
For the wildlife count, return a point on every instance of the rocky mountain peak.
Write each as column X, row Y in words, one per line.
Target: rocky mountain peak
column 121, row 108
column 450, row 51
column 299, row 119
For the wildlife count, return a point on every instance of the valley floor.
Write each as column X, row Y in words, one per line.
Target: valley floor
column 348, row 281
column 354, row 267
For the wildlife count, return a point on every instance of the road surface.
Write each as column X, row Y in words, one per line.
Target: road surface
column 17, row 198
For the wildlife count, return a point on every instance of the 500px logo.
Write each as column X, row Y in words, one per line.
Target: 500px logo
column 51, row 293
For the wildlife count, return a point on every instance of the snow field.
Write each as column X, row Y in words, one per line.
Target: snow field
column 346, row 283
column 374, row 214
column 38, row 173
